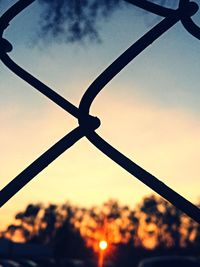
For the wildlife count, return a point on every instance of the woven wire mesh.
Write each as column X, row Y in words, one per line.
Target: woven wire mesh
column 87, row 123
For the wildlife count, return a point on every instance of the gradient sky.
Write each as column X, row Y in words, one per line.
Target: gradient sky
column 150, row 112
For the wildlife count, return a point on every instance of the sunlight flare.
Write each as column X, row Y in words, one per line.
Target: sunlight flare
column 103, row 245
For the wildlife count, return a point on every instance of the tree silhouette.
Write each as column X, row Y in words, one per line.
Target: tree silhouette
column 112, row 222
column 163, row 222
column 28, row 220
column 77, row 20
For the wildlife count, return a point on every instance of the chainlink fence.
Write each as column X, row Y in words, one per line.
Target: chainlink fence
column 87, row 124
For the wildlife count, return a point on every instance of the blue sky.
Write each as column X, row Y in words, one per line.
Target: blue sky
column 150, row 112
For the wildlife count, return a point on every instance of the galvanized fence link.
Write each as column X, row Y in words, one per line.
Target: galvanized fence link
column 87, row 123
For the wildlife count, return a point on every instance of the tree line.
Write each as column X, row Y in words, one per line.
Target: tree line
column 74, row 232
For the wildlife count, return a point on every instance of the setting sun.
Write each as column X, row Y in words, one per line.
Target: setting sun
column 103, row 245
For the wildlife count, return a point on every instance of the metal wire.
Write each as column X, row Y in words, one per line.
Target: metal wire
column 152, row 7
column 87, row 123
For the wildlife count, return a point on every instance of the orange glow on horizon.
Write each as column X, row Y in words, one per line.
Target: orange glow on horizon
column 103, row 245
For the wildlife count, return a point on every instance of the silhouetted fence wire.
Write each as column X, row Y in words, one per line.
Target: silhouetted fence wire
column 87, row 123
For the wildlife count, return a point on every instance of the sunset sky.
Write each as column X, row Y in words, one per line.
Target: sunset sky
column 150, row 112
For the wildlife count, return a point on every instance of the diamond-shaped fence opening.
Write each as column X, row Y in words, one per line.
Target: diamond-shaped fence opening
column 87, row 123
